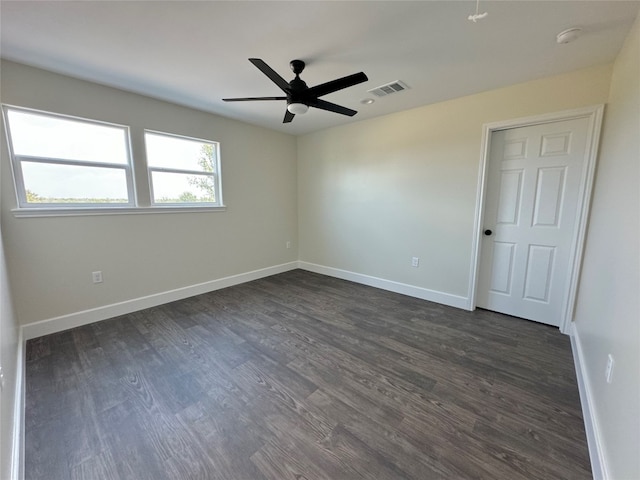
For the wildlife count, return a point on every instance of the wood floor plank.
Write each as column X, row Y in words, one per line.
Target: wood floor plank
column 99, row 466
column 229, row 438
column 349, row 394
column 386, row 442
column 302, row 376
column 508, row 432
column 131, row 450
column 276, row 461
column 46, row 457
column 458, row 454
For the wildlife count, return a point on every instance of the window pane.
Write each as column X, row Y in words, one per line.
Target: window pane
column 49, row 183
column 182, row 188
column 49, row 137
column 182, row 153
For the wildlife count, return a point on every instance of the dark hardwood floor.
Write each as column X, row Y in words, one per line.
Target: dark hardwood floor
column 301, row 376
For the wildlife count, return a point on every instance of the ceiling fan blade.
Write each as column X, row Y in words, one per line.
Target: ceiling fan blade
column 288, row 116
column 338, row 84
column 250, row 99
column 271, row 73
column 332, row 107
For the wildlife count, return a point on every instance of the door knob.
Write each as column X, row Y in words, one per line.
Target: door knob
column 488, row 232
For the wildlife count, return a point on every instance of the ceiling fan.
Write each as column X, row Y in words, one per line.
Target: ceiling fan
column 299, row 96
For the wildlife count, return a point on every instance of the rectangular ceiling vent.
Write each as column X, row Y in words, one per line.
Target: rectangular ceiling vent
column 389, row 88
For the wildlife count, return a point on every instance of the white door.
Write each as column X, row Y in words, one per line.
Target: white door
column 535, row 176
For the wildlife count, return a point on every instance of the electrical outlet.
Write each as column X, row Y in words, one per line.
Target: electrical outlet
column 288, row 244
column 97, row 277
column 608, row 373
column 415, row 262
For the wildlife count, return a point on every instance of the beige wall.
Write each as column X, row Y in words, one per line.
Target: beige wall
column 50, row 260
column 375, row 193
column 608, row 306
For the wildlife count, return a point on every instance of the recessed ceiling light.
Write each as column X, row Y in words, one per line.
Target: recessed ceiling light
column 367, row 101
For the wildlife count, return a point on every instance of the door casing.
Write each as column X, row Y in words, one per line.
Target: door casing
column 594, row 114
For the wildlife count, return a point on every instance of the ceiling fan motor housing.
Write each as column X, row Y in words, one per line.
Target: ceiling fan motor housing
column 297, row 85
column 297, row 91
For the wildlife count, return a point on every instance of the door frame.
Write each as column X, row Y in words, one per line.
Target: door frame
column 594, row 114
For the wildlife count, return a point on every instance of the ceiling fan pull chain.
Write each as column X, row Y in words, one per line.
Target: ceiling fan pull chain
column 477, row 16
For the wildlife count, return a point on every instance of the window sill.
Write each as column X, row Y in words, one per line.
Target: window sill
column 81, row 212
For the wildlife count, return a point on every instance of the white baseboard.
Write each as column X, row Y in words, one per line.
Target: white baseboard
column 594, row 439
column 77, row 319
column 390, row 285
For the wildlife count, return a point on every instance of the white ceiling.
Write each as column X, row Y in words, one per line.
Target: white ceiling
column 195, row 52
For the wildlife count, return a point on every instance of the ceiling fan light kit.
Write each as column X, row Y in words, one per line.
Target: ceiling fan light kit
column 297, row 108
column 299, row 96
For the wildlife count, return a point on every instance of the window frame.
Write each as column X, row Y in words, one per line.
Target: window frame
column 17, row 160
column 216, row 174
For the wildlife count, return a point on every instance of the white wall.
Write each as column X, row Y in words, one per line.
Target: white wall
column 50, row 260
column 608, row 305
column 374, row 193
column 9, row 362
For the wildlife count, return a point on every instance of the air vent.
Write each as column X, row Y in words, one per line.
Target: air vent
column 389, row 88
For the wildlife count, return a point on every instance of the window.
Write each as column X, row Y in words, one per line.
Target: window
column 182, row 170
column 65, row 165
column 61, row 161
